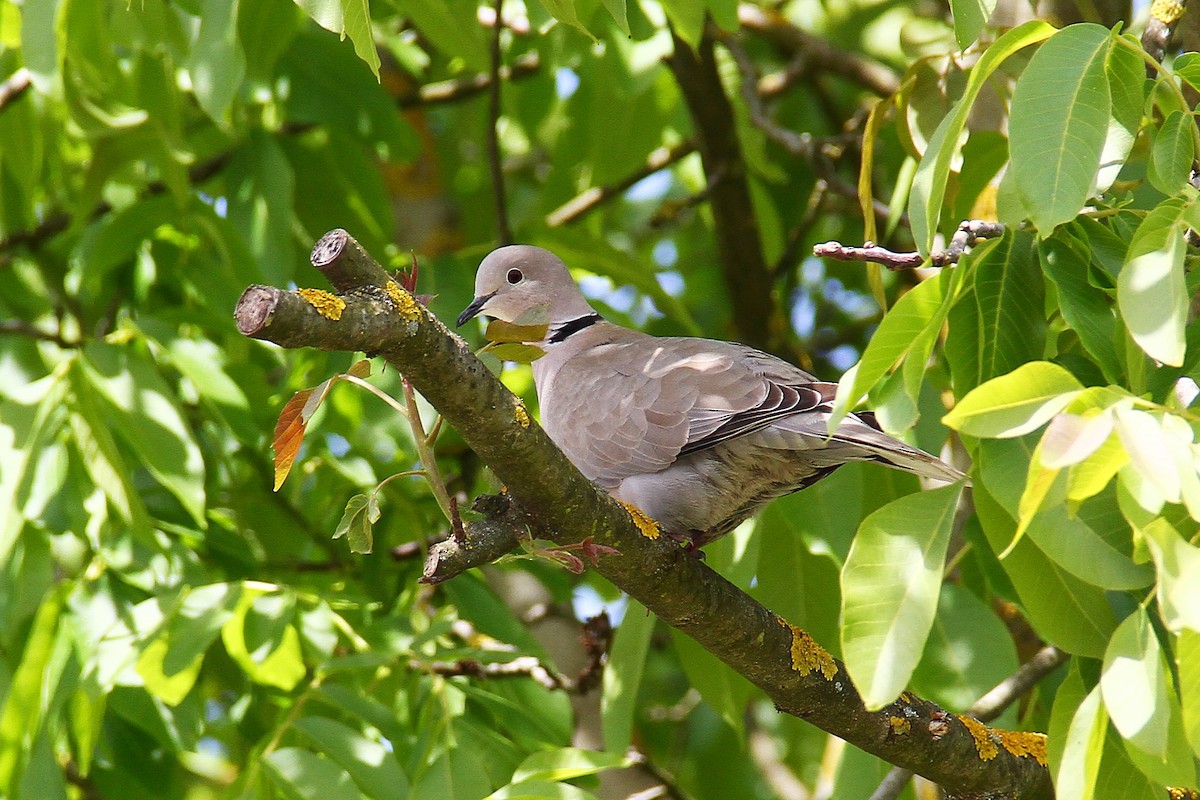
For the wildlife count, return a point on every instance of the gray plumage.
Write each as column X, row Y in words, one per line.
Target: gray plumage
column 697, row 433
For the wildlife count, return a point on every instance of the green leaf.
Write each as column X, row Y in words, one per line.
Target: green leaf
column 1067, row 697
column 1126, row 74
column 1133, row 684
column 348, row 18
column 368, row 763
column 969, row 18
column 1174, row 151
column 540, row 790
column 1077, row 549
column 1187, row 661
column 442, row 22
column 101, row 456
column 890, row 585
column 33, row 683
column 688, row 18
column 261, row 639
column 1150, row 452
column 303, row 775
column 357, row 16
column 724, row 690
column 218, row 63
column 1059, row 122
column 261, row 189
column 623, row 676
column 968, row 652
column 1071, row 438
column 933, row 173
column 1151, row 291
column 1178, row 565
column 1063, row 609
column 170, row 662
column 1086, row 309
column 1016, row 403
column 567, row 763
column 1187, row 66
column 619, row 14
column 1076, row 775
column 1008, row 299
column 457, row 775
column 920, row 310
column 517, row 353
column 361, row 514
column 143, row 411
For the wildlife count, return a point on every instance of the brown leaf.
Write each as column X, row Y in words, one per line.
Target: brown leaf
column 289, row 434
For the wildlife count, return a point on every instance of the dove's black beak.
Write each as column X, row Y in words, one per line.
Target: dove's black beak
column 472, row 310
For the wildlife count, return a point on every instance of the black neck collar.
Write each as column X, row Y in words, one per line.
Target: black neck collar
column 572, row 326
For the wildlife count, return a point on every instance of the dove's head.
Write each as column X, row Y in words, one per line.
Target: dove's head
column 525, row 285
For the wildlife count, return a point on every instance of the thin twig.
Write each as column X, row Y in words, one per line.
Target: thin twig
column 671, row 209
column 19, row 327
column 816, row 150
column 452, row 91
column 14, row 87
column 582, row 203
column 988, row 707
column 57, row 222
column 821, row 54
column 970, row 233
column 503, row 231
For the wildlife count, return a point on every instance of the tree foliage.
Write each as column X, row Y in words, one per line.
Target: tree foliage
column 174, row 628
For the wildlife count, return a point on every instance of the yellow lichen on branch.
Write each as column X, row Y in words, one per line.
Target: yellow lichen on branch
column 648, row 527
column 807, row 655
column 982, row 735
column 899, row 725
column 522, row 415
column 405, row 303
column 1167, row 12
column 1024, row 743
column 329, row 306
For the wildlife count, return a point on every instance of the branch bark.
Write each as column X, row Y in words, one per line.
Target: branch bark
column 739, row 245
column 376, row 315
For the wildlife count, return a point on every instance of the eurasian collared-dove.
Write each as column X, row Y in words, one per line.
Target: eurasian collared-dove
column 697, row 433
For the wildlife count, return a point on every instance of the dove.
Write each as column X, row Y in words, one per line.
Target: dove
column 698, row 434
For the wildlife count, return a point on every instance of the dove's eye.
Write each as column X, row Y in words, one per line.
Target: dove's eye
column 514, row 276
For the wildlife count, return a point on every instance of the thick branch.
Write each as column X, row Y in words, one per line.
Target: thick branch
column 988, row 707
column 739, row 246
column 560, row 504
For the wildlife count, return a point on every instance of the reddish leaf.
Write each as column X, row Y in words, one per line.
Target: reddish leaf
column 289, row 433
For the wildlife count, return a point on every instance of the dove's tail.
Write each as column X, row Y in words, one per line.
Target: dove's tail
column 863, row 432
column 858, row 438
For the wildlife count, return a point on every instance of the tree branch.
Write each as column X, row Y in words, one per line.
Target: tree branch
column 970, row 233
column 374, row 314
column 13, row 87
column 988, row 707
column 588, row 200
column 1164, row 14
column 451, row 91
column 739, row 245
column 773, row 26
column 803, row 145
column 495, row 157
